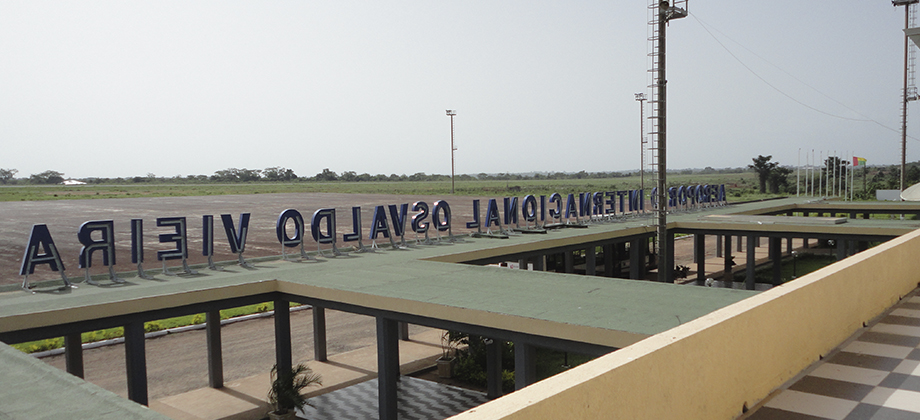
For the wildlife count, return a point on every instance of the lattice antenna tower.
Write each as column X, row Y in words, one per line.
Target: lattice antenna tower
column 660, row 13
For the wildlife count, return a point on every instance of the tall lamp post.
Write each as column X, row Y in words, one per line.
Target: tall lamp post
column 905, row 94
column 451, row 113
column 641, row 98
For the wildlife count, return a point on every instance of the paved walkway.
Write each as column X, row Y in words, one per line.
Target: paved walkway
column 874, row 376
column 246, row 398
column 418, row 400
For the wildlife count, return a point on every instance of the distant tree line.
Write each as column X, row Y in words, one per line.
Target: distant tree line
column 281, row 174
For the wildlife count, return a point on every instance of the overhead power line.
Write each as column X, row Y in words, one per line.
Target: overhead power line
column 864, row 118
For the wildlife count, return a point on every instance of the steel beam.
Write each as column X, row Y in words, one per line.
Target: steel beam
column 136, row 362
column 751, row 261
column 215, row 352
column 387, row 367
column 590, row 261
column 776, row 253
column 283, row 356
column 699, row 243
column 73, row 354
column 727, row 275
column 493, row 368
column 319, row 334
column 610, row 258
column 525, row 365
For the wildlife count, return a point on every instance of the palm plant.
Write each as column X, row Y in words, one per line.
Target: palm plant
column 285, row 394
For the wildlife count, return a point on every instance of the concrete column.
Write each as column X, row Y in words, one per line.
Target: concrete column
column 609, row 259
column 621, row 255
column 841, row 249
column 636, row 259
column 569, row 258
column 525, row 365
column 789, row 245
column 776, row 251
column 283, row 354
column 215, row 351
column 387, row 367
column 699, row 242
column 136, row 362
column 494, row 368
column 696, row 249
column 522, row 263
column 866, row 215
column 73, row 354
column 718, row 246
column 539, row 263
column 751, row 260
column 403, row 328
column 590, row 261
column 853, row 215
column 727, row 276
column 319, row 334
column 668, row 265
column 740, row 241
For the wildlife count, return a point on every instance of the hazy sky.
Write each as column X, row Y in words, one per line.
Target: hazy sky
column 125, row 88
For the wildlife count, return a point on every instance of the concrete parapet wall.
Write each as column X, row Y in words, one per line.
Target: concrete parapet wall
column 712, row 367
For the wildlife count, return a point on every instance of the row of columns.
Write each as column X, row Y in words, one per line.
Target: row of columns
column 613, row 253
column 845, row 248
column 389, row 333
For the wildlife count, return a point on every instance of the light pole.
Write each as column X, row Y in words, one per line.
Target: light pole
column 905, row 97
column 451, row 113
column 641, row 98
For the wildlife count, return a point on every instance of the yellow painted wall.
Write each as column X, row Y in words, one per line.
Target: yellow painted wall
column 713, row 366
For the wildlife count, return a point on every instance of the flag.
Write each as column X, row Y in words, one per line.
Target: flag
column 858, row 161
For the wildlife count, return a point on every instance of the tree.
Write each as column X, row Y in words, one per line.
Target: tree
column 47, row 177
column 779, row 179
column 327, row 175
column 277, row 173
column 6, row 175
column 763, row 167
column 349, row 176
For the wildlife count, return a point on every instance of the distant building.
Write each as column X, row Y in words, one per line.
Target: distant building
column 72, row 182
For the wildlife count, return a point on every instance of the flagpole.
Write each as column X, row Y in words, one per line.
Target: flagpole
column 798, row 166
column 821, row 175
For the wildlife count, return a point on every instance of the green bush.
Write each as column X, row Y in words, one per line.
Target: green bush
column 113, row 333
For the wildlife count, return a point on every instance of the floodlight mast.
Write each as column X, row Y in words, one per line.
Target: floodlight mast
column 451, row 113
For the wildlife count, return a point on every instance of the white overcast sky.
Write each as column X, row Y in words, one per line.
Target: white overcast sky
column 126, row 88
